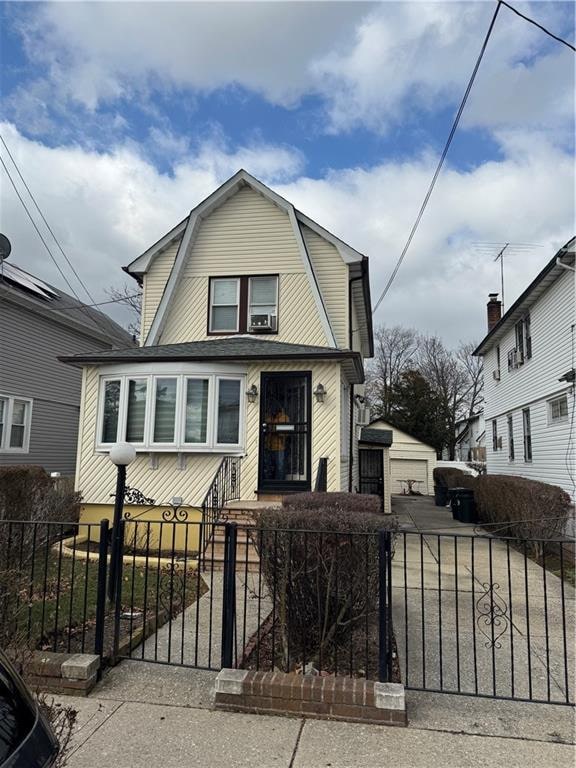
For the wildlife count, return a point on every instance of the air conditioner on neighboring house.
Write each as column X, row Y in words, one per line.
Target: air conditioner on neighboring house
column 260, row 323
column 496, row 374
column 363, row 417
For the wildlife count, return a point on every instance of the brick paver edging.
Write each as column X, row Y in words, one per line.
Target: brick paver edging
column 74, row 674
column 328, row 698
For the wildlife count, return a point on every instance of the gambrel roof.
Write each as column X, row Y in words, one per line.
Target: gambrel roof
column 187, row 230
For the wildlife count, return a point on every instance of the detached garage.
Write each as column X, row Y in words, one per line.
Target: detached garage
column 410, row 459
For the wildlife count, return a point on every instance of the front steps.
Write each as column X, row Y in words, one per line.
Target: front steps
column 246, row 555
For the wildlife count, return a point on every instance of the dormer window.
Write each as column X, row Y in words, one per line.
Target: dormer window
column 243, row 305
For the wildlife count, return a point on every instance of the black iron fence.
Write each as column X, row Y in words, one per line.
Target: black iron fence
column 52, row 585
column 485, row 616
column 224, row 487
column 314, row 601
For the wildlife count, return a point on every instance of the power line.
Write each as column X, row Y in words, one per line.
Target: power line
column 451, row 136
column 97, row 304
column 535, row 23
column 93, row 319
column 441, row 161
column 44, row 219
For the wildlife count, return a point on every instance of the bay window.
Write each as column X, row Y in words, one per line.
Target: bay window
column 15, row 420
column 175, row 413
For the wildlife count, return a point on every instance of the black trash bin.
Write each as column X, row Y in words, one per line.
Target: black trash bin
column 453, row 496
column 466, row 506
column 440, row 495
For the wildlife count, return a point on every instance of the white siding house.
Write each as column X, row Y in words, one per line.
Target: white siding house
column 529, row 363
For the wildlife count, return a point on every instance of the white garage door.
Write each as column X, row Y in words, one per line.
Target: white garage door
column 409, row 469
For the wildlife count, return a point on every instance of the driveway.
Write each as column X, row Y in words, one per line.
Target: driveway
column 473, row 614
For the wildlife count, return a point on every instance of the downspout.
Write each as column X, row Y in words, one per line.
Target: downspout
column 351, row 457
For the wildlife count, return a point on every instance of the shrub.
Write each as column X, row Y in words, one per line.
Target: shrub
column 522, row 508
column 28, row 493
column 322, row 571
column 346, row 502
column 449, row 477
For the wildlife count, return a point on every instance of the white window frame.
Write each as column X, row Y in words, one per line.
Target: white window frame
column 552, row 422
column 7, row 424
column 213, row 281
column 178, row 445
column 276, row 302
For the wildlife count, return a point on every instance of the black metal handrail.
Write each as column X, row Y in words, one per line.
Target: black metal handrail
column 224, row 487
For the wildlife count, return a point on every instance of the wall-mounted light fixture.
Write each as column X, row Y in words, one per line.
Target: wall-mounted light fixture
column 320, row 393
column 252, row 393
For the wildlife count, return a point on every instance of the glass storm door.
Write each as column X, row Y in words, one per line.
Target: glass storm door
column 285, row 432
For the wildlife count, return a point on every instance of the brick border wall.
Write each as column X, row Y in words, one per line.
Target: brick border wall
column 332, row 698
column 74, row 674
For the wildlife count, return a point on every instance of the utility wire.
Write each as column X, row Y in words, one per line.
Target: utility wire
column 451, row 136
column 44, row 219
column 97, row 304
column 531, row 21
column 92, row 318
column 441, row 161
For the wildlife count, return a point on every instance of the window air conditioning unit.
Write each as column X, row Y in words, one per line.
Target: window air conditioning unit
column 363, row 416
column 496, row 374
column 260, row 323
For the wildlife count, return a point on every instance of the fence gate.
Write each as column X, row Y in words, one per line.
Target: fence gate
column 485, row 616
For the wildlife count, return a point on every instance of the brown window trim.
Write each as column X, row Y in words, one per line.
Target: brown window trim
column 243, row 306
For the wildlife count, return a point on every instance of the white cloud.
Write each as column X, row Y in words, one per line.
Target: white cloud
column 372, row 64
column 107, row 208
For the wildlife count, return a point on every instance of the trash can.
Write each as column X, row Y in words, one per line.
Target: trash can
column 453, row 496
column 440, row 495
column 466, row 506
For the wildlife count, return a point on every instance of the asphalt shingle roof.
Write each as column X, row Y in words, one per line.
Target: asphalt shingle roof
column 227, row 349
column 378, row 436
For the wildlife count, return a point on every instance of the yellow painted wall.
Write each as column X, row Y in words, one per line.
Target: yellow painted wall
column 153, row 285
column 163, row 535
column 96, row 474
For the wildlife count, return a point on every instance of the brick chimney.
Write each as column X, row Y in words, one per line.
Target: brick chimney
column 494, row 307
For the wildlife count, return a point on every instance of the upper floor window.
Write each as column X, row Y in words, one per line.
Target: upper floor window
column 523, row 349
column 243, row 305
column 15, row 420
column 558, row 410
column 180, row 412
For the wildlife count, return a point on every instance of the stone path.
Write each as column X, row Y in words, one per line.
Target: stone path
column 472, row 614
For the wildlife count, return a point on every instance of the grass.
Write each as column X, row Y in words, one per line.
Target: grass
column 53, row 604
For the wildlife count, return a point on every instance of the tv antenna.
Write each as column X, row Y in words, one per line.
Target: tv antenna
column 510, row 249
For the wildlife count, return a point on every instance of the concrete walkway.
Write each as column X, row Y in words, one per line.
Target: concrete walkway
column 147, row 716
column 490, row 620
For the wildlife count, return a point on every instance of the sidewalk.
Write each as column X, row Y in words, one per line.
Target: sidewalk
column 145, row 715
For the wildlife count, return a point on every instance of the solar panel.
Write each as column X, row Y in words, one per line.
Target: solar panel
column 26, row 281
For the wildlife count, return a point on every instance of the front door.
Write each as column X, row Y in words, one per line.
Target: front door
column 285, row 408
column 371, row 472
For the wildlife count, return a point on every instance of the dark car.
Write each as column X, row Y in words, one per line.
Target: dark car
column 26, row 739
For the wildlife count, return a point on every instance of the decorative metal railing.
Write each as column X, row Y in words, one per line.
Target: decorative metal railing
column 225, row 487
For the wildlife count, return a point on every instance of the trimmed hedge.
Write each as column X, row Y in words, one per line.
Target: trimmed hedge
column 321, row 568
column 513, row 506
column 346, row 502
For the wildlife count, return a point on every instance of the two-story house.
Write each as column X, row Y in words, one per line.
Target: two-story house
column 529, row 378
column 255, row 325
column 39, row 395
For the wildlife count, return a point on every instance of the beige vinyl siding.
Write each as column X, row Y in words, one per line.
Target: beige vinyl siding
column 345, row 432
column 298, row 321
column 332, row 275
column 96, row 474
column 154, row 283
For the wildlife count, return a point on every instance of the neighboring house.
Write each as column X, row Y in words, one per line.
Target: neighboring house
column 471, row 438
column 410, row 459
column 529, row 375
column 39, row 395
column 255, row 325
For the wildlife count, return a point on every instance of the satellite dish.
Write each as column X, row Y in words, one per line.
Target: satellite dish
column 5, row 247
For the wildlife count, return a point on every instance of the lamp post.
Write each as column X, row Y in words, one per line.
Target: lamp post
column 121, row 454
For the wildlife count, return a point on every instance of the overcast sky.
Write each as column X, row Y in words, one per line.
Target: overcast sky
column 123, row 116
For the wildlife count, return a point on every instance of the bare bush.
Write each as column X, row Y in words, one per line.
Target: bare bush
column 322, row 570
column 345, row 502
